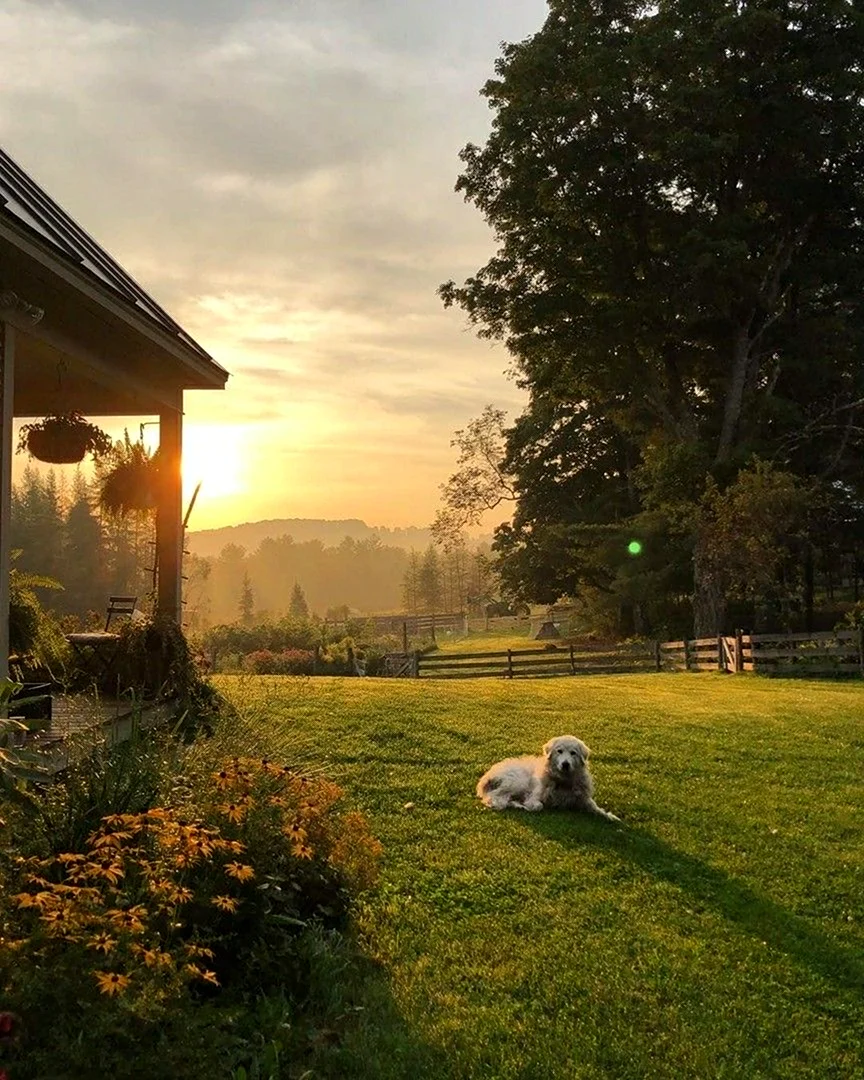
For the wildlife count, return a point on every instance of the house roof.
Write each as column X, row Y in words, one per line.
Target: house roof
column 29, row 214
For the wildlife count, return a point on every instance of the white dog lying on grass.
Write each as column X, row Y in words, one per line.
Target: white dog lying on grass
column 559, row 780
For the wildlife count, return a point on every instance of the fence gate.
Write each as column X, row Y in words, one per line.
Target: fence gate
column 728, row 653
column 400, row 665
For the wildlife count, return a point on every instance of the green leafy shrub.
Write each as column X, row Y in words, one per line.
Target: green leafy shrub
column 37, row 644
column 154, row 660
column 310, row 858
column 102, row 780
column 165, row 920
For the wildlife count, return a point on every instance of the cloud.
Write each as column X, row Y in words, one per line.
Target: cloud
column 280, row 177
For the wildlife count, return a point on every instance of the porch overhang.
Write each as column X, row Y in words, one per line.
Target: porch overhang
column 92, row 350
column 77, row 333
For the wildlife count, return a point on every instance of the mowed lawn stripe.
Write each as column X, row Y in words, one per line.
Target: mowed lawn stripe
column 716, row 933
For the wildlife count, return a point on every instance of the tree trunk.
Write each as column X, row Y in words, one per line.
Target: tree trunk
column 709, row 602
column 808, row 591
column 735, row 395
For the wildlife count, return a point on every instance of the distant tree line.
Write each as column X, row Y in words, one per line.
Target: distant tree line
column 61, row 535
column 283, row 577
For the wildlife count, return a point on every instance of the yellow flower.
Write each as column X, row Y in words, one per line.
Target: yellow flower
column 180, row 895
column 239, row 871
column 234, row 811
column 70, row 857
column 302, row 851
column 102, row 942
column 59, row 917
column 130, row 919
column 109, row 869
column 111, row 840
column 224, row 779
column 161, row 885
column 199, row 950
column 26, row 899
column 203, row 845
column 111, row 982
column 295, row 831
column 225, row 903
column 73, row 890
column 151, row 957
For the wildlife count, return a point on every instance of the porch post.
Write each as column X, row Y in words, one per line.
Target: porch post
column 169, row 513
column 7, row 386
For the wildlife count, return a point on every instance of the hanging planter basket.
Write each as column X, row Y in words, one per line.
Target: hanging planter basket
column 63, row 439
column 132, row 486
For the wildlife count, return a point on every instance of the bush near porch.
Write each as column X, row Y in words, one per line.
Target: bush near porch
column 161, row 897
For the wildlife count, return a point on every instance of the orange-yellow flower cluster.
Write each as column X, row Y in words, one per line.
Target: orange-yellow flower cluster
column 130, row 900
column 123, row 898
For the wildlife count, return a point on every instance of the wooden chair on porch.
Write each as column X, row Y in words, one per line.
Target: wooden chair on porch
column 97, row 648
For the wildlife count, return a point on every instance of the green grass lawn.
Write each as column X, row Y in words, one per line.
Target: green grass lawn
column 717, row 932
column 481, row 641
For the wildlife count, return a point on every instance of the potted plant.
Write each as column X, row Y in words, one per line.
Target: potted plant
column 132, row 484
column 63, row 439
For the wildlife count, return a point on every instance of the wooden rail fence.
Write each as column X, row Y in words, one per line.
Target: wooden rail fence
column 838, row 652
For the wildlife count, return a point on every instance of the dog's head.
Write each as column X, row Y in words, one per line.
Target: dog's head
column 566, row 755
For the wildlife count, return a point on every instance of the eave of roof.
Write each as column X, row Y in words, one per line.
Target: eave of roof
column 30, row 214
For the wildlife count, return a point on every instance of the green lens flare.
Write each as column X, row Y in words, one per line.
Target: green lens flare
column 634, row 547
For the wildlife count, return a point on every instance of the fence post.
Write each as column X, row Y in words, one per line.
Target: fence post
column 572, row 660
column 509, row 663
column 658, row 666
column 739, row 652
column 686, row 655
column 416, row 664
column 721, row 662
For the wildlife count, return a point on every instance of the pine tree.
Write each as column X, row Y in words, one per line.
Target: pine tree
column 85, row 574
column 37, row 523
column 431, row 581
column 411, row 585
column 298, row 606
column 247, row 601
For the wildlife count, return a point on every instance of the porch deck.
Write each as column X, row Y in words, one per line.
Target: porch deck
column 80, row 721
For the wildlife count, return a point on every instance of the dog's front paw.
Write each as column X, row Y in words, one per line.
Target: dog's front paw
column 533, row 804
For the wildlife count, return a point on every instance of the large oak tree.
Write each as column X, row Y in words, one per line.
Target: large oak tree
column 676, row 190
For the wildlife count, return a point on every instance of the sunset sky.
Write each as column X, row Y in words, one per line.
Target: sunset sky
column 279, row 176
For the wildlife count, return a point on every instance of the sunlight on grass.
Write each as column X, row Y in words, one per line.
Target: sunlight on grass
column 479, row 641
column 716, row 932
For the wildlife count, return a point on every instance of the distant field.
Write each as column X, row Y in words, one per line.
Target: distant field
column 485, row 641
column 717, row 932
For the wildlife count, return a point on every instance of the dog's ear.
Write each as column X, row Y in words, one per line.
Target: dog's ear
column 586, row 752
column 547, row 749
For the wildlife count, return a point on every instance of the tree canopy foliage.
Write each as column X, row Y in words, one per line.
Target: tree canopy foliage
column 676, row 190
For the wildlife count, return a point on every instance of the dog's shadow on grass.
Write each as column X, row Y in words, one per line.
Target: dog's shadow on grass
column 708, row 887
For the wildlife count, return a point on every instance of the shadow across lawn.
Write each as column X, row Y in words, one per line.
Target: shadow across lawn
column 712, row 888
